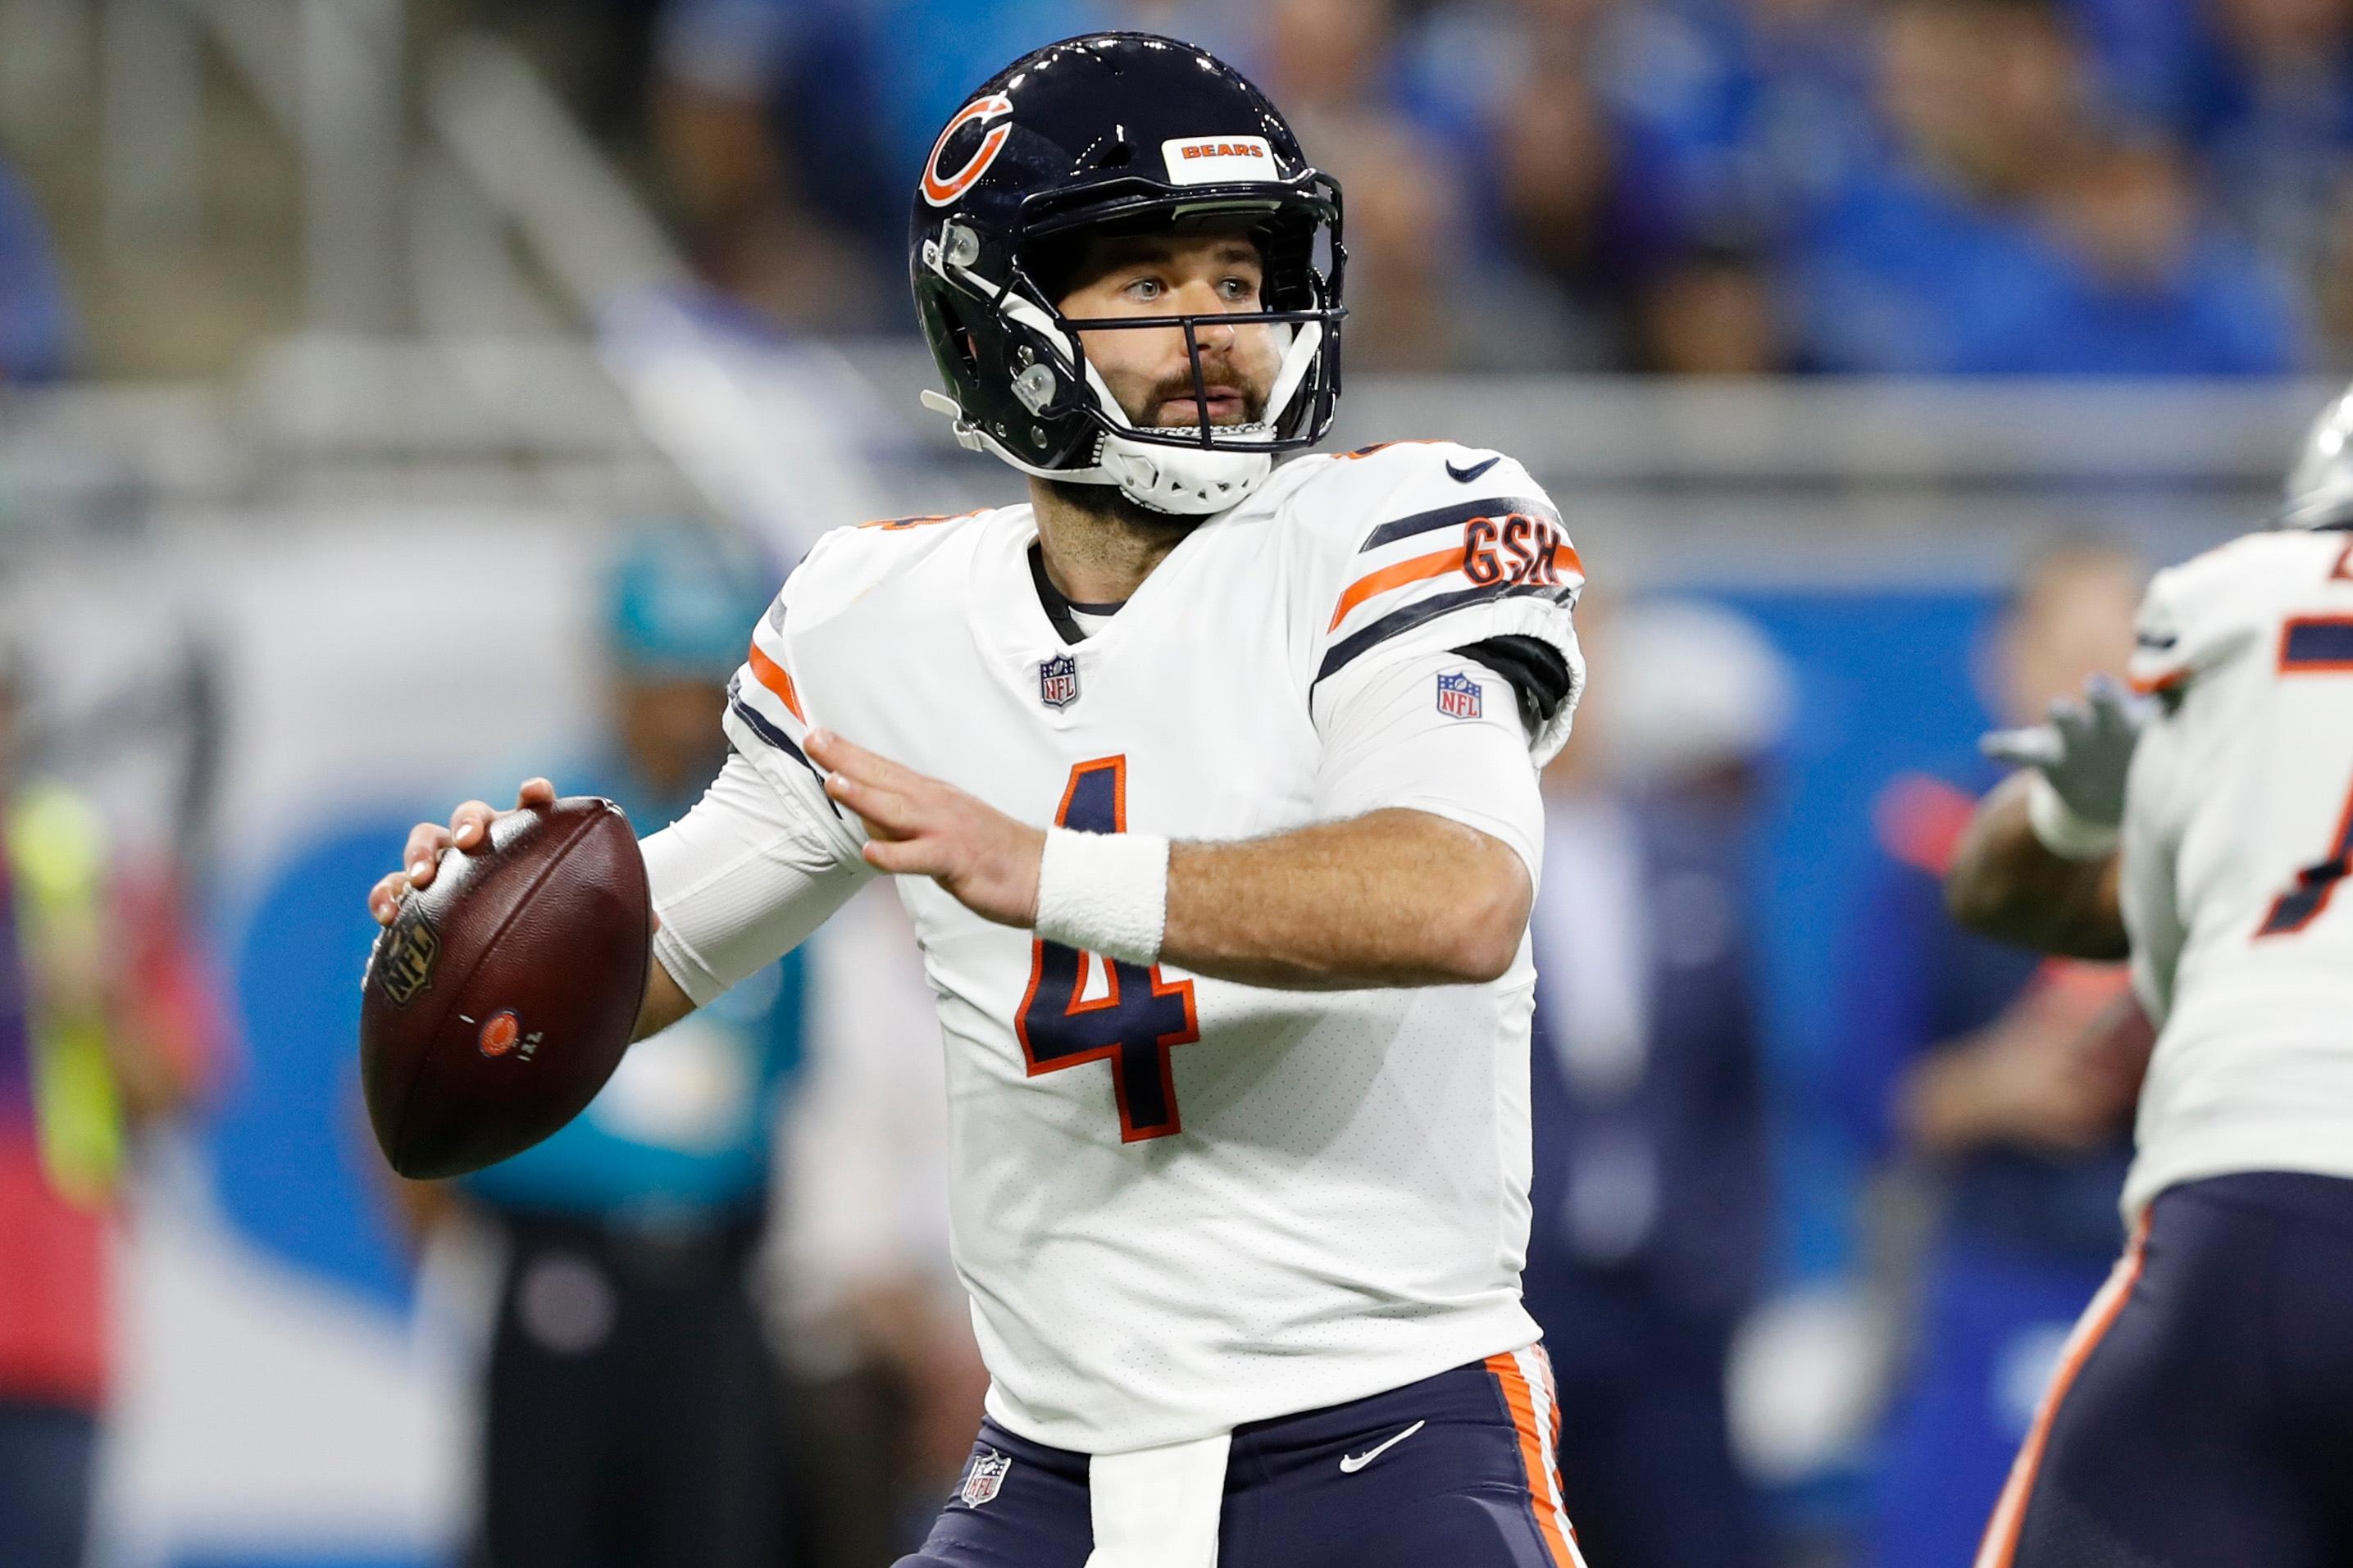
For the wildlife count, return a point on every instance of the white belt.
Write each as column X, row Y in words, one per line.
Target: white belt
column 1157, row 1508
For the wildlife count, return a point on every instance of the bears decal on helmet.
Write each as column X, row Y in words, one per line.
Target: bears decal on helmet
column 940, row 190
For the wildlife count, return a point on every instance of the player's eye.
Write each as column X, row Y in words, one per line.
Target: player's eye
column 1144, row 289
column 1238, row 288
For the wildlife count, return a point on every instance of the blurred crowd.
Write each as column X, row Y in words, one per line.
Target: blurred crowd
column 1688, row 186
column 35, row 320
column 1684, row 186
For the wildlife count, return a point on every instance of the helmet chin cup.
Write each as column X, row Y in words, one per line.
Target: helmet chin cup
column 1188, row 482
column 1182, row 481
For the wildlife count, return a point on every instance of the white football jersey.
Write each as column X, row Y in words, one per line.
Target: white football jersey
column 2237, row 830
column 1181, row 1204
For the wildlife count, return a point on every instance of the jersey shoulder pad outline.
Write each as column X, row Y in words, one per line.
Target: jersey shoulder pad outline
column 2197, row 615
column 1348, row 495
column 841, row 572
column 848, row 563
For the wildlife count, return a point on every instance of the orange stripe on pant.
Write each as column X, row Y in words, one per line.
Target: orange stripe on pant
column 1537, row 1460
column 2000, row 1544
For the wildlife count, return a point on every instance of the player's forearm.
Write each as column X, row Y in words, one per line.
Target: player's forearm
column 1392, row 897
column 2004, row 884
column 738, row 882
column 666, row 1001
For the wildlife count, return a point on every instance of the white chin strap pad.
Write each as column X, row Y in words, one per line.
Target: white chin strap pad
column 1187, row 481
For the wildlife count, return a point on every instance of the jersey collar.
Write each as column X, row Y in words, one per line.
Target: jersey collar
column 1060, row 608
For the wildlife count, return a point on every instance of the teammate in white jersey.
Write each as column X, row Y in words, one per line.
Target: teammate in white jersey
column 1210, row 789
column 2203, row 1410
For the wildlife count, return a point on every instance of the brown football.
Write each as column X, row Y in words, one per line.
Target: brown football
column 501, row 999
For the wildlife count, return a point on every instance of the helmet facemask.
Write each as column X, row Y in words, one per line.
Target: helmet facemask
column 1075, row 429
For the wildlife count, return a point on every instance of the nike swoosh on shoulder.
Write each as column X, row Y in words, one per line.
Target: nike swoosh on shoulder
column 1475, row 470
column 1351, row 1463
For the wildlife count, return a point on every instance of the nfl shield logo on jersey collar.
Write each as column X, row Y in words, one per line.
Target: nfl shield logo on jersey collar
column 1058, row 681
column 985, row 1478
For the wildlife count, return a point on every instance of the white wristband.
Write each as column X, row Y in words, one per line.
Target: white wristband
column 2064, row 833
column 1104, row 892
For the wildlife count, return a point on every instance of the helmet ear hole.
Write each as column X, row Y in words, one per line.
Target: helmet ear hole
column 958, row 336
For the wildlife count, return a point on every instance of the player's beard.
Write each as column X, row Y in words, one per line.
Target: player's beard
column 1109, row 501
column 1113, row 504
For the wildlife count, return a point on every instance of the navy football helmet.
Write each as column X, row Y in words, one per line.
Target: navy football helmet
column 1119, row 133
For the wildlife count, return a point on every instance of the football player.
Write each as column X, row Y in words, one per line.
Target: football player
column 2202, row 1411
column 1210, row 787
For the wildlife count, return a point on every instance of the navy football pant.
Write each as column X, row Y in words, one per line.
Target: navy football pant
column 1474, row 1486
column 2203, row 1413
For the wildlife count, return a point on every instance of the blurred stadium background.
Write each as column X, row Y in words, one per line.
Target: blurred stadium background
column 346, row 345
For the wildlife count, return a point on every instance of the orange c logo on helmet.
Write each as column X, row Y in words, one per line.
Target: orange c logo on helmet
column 941, row 191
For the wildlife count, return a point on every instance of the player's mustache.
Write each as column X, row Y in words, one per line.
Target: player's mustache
column 1216, row 378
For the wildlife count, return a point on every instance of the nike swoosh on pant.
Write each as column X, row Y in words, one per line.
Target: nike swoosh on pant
column 1473, row 471
column 1351, row 1463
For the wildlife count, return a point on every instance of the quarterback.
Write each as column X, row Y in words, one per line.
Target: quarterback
column 2203, row 1410
column 1210, row 787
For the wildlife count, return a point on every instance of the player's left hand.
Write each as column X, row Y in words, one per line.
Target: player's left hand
column 919, row 827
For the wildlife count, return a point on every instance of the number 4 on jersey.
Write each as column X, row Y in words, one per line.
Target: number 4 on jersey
column 1082, row 1007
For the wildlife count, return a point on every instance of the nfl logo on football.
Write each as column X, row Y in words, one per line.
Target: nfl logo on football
column 987, row 1475
column 1058, row 681
column 1458, row 696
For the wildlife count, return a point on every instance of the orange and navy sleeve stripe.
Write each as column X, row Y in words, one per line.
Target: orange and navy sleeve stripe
column 773, row 676
column 1413, row 570
column 2157, row 664
column 763, row 697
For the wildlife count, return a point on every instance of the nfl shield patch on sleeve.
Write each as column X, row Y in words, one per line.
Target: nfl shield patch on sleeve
column 985, row 1478
column 1459, row 696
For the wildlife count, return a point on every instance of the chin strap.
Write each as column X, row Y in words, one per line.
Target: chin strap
column 968, row 435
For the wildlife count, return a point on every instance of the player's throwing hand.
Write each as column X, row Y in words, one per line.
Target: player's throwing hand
column 922, row 827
